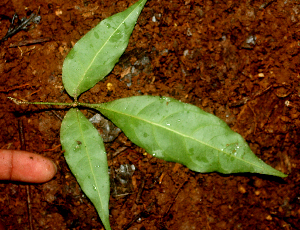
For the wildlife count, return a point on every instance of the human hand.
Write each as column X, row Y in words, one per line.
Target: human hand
column 25, row 167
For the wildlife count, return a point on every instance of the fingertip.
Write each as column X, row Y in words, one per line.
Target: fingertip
column 43, row 170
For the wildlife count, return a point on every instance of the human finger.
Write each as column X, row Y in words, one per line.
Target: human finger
column 25, row 166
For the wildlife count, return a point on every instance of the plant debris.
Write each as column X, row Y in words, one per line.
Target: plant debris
column 18, row 25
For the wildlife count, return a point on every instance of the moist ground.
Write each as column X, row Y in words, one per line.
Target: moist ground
column 238, row 60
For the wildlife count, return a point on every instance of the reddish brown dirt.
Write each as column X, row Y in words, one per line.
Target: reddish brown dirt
column 236, row 59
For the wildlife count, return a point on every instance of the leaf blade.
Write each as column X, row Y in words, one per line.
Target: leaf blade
column 206, row 143
column 86, row 157
column 95, row 55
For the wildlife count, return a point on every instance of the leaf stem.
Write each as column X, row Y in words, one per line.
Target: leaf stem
column 88, row 105
column 19, row 102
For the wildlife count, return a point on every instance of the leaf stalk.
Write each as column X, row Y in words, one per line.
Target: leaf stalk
column 19, row 102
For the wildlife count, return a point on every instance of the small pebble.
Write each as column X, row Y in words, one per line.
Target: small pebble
column 269, row 217
column 261, row 75
column 242, row 189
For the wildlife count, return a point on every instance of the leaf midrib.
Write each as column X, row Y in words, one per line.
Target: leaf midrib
column 97, row 53
column 89, row 159
column 178, row 133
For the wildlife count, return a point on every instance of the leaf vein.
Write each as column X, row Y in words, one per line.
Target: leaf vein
column 89, row 159
column 176, row 132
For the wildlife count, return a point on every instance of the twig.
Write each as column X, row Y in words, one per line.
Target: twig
column 13, row 30
column 266, row 4
column 29, row 42
column 136, row 217
column 21, row 134
column 57, row 115
column 23, row 147
column 118, row 151
column 138, row 197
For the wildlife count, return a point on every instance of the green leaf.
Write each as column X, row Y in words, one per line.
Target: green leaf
column 95, row 55
column 86, row 157
column 183, row 133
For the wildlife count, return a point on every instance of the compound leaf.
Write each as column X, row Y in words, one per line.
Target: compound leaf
column 95, row 55
column 183, row 133
column 86, row 157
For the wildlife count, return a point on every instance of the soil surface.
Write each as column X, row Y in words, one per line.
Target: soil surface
column 239, row 60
